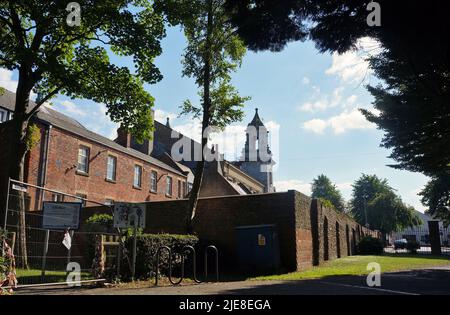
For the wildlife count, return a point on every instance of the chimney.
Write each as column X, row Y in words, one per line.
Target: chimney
column 123, row 137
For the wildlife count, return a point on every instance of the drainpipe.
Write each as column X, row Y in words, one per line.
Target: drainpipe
column 43, row 175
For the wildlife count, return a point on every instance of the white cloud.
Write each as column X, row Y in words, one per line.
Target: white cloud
column 315, row 125
column 324, row 102
column 344, row 187
column 353, row 66
column 7, row 81
column 350, row 101
column 70, row 108
column 230, row 141
column 305, row 80
column 100, row 122
column 347, row 120
column 293, row 184
column 192, row 129
column 161, row 116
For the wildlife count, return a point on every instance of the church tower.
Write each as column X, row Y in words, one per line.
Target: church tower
column 256, row 159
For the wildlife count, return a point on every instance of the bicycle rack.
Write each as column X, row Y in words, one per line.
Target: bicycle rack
column 184, row 252
column 170, row 266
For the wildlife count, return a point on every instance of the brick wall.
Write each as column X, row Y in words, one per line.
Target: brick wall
column 337, row 233
column 300, row 222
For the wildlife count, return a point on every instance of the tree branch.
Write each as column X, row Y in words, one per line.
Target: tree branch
column 43, row 100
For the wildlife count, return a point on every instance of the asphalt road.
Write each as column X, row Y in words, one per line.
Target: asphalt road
column 417, row 282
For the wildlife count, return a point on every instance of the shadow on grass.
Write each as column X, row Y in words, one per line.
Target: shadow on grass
column 425, row 281
column 418, row 255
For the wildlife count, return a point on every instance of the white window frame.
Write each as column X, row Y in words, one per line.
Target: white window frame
column 114, row 168
column 169, row 184
column 83, row 167
column 154, row 181
column 137, row 180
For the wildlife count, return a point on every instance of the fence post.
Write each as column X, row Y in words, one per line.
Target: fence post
column 70, row 250
column 44, row 253
column 133, row 267
column 435, row 237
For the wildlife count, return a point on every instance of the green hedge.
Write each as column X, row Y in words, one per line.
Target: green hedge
column 147, row 246
column 369, row 245
column 412, row 246
column 99, row 223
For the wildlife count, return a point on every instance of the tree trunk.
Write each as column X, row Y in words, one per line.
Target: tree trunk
column 17, row 159
column 193, row 198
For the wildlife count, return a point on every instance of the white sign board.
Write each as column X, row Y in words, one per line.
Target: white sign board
column 61, row 215
column 128, row 215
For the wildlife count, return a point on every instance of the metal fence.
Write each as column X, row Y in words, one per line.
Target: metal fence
column 421, row 235
column 40, row 255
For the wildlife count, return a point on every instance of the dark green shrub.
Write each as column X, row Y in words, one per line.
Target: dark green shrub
column 412, row 246
column 100, row 223
column 369, row 245
column 147, row 246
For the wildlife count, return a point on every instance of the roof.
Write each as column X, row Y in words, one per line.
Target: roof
column 8, row 100
column 256, row 121
column 59, row 120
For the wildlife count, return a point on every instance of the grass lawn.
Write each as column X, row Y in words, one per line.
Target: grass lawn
column 356, row 265
column 32, row 276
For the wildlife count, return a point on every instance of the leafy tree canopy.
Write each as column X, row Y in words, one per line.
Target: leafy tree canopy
column 436, row 196
column 324, row 189
column 374, row 199
column 213, row 52
column 224, row 49
column 413, row 67
column 53, row 57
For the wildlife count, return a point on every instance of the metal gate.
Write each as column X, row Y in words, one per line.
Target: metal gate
column 432, row 233
column 40, row 256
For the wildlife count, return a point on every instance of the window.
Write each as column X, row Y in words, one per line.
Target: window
column 83, row 159
column 58, row 197
column 3, row 115
column 111, row 168
column 184, row 189
column 137, row 176
column 169, row 186
column 153, row 181
column 109, row 202
column 83, row 202
column 179, row 189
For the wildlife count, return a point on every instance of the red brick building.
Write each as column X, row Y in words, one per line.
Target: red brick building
column 74, row 160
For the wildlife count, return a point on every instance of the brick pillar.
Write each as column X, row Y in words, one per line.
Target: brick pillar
column 435, row 237
column 314, row 215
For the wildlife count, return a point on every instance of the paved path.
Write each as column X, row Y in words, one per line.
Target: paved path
column 429, row 281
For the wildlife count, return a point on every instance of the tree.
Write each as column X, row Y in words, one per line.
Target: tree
column 324, row 189
column 374, row 203
column 212, row 53
column 387, row 213
column 414, row 66
column 52, row 58
column 436, row 196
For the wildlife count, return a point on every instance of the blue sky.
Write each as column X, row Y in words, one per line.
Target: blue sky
column 308, row 101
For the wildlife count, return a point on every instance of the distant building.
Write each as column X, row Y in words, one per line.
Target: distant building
column 256, row 159
column 220, row 178
column 74, row 160
column 421, row 233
